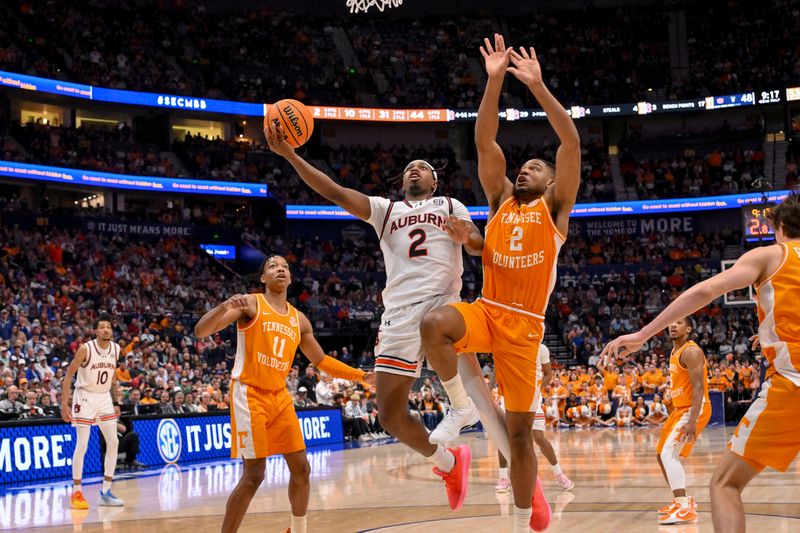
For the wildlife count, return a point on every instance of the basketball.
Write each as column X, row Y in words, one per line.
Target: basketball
column 295, row 119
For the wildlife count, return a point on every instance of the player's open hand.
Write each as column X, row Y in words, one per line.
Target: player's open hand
column 496, row 57
column 370, row 378
column 526, row 67
column 276, row 139
column 755, row 341
column 237, row 301
column 688, row 433
column 457, row 229
column 623, row 346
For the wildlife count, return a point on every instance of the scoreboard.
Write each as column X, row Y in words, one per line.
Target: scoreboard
column 755, row 225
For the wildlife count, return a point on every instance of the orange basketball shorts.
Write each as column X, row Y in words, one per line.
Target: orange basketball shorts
column 769, row 433
column 263, row 423
column 514, row 340
column 671, row 431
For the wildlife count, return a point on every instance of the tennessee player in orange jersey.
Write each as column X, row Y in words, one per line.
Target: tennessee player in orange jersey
column 769, row 433
column 528, row 223
column 263, row 420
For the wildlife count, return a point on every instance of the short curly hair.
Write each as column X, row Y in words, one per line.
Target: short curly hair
column 786, row 216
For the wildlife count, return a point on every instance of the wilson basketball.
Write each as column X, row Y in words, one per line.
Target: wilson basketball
column 295, row 119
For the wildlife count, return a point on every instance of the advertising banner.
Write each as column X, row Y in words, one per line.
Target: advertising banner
column 43, row 450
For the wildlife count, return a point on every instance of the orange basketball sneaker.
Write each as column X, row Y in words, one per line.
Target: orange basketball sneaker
column 668, row 509
column 680, row 514
column 456, row 480
column 77, row 501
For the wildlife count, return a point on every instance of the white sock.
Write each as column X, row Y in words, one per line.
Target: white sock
column 298, row 524
column 504, row 473
column 106, row 486
column 443, row 459
column 76, row 488
column 456, row 392
column 522, row 519
column 556, row 469
column 683, row 501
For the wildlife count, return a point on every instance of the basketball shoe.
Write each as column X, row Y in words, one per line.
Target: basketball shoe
column 669, row 509
column 456, row 419
column 106, row 498
column 541, row 513
column 680, row 514
column 457, row 480
column 564, row 482
column 502, row 486
column 77, row 501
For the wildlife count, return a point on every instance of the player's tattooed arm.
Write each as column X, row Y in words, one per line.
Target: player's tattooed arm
column 115, row 393
column 237, row 307
column 491, row 161
column 562, row 194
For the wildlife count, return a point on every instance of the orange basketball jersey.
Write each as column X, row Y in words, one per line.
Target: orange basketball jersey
column 681, row 390
column 779, row 316
column 520, row 253
column 266, row 347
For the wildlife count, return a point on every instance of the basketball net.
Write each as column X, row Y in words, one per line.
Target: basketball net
column 362, row 6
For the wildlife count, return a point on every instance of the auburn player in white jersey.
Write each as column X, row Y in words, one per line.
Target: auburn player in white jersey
column 769, row 433
column 263, row 419
column 95, row 402
column 544, row 374
column 421, row 239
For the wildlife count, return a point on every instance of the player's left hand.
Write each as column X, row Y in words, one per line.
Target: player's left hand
column 631, row 344
column 117, row 411
column 457, row 229
column 526, row 66
column 755, row 341
column 370, row 378
column 689, row 432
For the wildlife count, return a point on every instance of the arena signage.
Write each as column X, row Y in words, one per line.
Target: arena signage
column 44, row 451
column 80, row 177
column 32, row 452
column 337, row 112
column 613, row 227
column 182, row 439
column 606, row 209
column 138, row 229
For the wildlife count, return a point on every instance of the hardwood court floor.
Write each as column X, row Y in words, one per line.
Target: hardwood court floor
column 387, row 488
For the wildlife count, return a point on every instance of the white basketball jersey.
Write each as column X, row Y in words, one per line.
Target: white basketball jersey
column 421, row 260
column 97, row 370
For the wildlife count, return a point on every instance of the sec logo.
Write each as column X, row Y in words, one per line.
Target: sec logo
column 293, row 322
column 168, row 438
column 438, row 201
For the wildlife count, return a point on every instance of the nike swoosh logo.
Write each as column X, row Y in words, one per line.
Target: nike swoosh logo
column 265, row 314
column 531, row 335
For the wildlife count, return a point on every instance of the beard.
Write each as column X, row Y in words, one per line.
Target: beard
column 415, row 189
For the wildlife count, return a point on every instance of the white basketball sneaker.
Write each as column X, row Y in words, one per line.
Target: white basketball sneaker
column 456, row 420
column 106, row 498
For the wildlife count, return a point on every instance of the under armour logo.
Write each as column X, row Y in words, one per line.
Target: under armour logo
column 387, row 322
